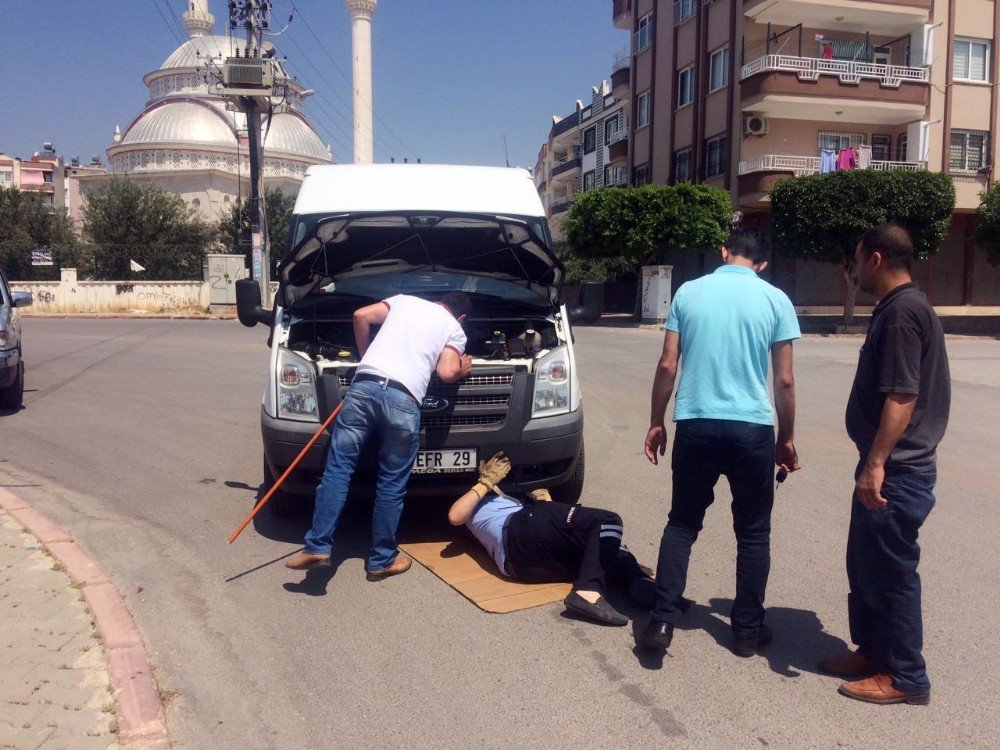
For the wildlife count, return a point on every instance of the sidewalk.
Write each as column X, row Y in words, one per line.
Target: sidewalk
column 55, row 691
column 74, row 671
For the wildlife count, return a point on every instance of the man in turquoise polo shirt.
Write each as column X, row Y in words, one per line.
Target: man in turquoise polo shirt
column 725, row 328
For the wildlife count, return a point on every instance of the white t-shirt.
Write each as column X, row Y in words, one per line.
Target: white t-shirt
column 409, row 344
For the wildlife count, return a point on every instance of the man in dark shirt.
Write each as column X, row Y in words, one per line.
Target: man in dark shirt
column 896, row 415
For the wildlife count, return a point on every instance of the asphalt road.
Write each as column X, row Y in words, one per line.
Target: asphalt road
column 142, row 438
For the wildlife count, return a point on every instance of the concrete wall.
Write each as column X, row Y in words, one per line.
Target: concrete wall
column 69, row 295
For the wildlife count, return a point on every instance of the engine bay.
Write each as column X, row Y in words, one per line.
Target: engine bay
column 496, row 339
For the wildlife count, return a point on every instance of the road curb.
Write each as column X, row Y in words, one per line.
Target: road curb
column 141, row 717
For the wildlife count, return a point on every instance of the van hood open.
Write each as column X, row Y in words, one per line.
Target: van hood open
column 345, row 246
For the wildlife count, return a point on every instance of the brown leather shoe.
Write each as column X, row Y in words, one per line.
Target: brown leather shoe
column 306, row 560
column 879, row 689
column 851, row 666
column 401, row 564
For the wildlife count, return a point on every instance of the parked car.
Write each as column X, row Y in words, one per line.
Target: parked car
column 11, row 362
column 362, row 233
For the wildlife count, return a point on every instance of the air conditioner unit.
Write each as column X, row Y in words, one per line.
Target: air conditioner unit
column 754, row 125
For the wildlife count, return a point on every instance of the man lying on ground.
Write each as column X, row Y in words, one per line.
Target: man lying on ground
column 534, row 540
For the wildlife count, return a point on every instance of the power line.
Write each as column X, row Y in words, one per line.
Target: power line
column 173, row 18
column 165, row 22
column 346, row 78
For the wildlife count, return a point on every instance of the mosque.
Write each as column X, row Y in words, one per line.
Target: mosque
column 189, row 140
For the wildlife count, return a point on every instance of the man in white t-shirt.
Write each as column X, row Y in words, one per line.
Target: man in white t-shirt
column 416, row 338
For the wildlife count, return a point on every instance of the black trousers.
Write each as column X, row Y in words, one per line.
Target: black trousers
column 705, row 450
column 551, row 542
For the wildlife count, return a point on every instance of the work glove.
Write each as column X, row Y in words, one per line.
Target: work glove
column 492, row 472
column 540, row 495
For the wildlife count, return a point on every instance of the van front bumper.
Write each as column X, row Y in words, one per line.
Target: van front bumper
column 543, row 452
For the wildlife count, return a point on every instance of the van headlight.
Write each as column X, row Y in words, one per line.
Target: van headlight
column 552, row 392
column 296, row 388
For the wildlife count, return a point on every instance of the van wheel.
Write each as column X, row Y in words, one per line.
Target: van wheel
column 12, row 397
column 569, row 492
column 282, row 504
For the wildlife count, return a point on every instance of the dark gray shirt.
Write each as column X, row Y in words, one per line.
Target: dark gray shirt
column 903, row 353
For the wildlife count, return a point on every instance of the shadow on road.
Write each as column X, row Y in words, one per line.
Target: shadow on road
column 799, row 638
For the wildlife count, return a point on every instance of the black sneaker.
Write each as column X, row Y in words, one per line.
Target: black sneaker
column 656, row 637
column 748, row 645
column 600, row 611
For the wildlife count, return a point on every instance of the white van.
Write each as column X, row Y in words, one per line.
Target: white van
column 362, row 233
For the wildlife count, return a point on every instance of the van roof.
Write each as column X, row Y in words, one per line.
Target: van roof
column 344, row 188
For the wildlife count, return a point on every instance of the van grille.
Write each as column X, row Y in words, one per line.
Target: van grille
column 481, row 400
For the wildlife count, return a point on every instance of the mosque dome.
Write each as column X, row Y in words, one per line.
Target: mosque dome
column 186, row 124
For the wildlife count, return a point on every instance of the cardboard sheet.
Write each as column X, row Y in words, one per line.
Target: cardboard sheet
column 464, row 565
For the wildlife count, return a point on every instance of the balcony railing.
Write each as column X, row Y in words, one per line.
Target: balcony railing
column 559, row 206
column 623, row 59
column 803, row 165
column 617, row 179
column 849, row 71
column 565, row 164
column 619, row 135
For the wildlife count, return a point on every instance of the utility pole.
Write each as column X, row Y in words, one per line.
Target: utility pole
column 248, row 82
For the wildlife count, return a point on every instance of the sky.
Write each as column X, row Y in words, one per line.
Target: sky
column 450, row 78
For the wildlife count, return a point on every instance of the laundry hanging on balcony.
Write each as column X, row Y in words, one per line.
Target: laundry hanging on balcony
column 847, row 49
column 864, row 157
column 847, row 159
column 827, row 161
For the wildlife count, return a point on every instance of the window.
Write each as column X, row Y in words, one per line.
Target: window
column 47, row 178
column 968, row 150
column 715, row 156
column 837, row 141
column 644, row 36
column 589, row 139
column 902, row 141
column 642, row 110
column 718, row 67
column 640, row 176
column 588, row 180
column 685, row 86
column 684, row 9
column 881, row 147
column 6, row 178
column 607, row 175
column 610, row 129
column 682, row 165
column 972, row 60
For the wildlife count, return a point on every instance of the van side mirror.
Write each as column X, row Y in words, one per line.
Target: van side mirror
column 591, row 303
column 248, row 308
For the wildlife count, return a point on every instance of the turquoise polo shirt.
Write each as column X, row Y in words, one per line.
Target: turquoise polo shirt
column 728, row 321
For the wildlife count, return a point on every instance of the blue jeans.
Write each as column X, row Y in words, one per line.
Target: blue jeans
column 394, row 418
column 704, row 450
column 882, row 557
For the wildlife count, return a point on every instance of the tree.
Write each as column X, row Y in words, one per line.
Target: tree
column 27, row 224
column 988, row 224
column 822, row 217
column 278, row 207
column 627, row 227
column 127, row 220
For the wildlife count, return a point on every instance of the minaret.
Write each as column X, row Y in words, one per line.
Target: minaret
column 197, row 20
column 361, row 40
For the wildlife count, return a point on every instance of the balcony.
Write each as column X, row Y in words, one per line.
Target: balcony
column 560, row 205
column 810, row 88
column 802, row 165
column 618, row 179
column 757, row 177
column 564, row 168
column 622, row 14
column 564, row 126
column 618, row 147
column 889, row 17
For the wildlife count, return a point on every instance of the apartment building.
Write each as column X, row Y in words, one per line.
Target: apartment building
column 586, row 149
column 46, row 173
column 744, row 93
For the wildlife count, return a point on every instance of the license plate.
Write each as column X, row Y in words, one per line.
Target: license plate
column 451, row 461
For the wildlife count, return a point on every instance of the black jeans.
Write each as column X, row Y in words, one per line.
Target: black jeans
column 704, row 450
column 549, row 542
column 882, row 558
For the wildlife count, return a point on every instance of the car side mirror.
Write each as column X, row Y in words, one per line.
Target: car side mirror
column 248, row 308
column 21, row 299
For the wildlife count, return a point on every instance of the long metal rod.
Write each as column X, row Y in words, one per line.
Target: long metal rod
column 283, row 477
